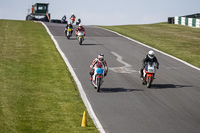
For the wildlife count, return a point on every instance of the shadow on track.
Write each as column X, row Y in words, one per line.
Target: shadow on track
column 167, row 86
column 72, row 38
column 84, row 44
column 116, row 90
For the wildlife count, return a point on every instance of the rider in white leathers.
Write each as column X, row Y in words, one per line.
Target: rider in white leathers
column 99, row 59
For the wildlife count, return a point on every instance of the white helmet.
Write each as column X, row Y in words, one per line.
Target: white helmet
column 80, row 25
column 72, row 13
column 151, row 54
column 100, row 57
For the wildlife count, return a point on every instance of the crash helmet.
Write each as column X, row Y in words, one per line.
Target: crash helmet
column 80, row 25
column 101, row 57
column 72, row 13
column 151, row 54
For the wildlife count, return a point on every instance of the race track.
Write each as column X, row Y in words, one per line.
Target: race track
column 124, row 105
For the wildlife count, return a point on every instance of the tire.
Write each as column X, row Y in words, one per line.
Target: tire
column 98, row 84
column 81, row 41
column 149, row 82
column 68, row 37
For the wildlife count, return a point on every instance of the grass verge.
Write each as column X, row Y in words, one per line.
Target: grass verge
column 180, row 41
column 37, row 91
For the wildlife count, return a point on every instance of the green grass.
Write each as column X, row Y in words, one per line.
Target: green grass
column 37, row 91
column 180, row 41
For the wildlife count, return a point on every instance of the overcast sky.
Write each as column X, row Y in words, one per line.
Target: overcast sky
column 105, row 12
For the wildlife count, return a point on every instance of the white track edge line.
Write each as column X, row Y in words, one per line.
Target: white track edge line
column 82, row 93
column 152, row 48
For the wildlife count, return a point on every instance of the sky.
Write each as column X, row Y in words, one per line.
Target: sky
column 105, row 12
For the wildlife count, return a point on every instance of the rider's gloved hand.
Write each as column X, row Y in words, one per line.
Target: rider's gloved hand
column 91, row 73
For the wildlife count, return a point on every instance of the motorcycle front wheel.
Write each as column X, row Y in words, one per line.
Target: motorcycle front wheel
column 149, row 82
column 98, row 84
column 81, row 41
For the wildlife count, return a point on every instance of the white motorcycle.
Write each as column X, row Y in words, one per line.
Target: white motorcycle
column 80, row 37
column 97, row 78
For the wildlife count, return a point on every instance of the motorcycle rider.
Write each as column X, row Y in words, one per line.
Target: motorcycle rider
column 78, row 22
column 64, row 18
column 72, row 16
column 99, row 59
column 80, row 29
column 149, row 57
column 69, row 26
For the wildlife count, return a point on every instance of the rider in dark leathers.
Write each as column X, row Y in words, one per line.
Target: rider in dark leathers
column 72, row 16
column 78, row 22
column 150, row 57
column 69, row 26
column 64, row 18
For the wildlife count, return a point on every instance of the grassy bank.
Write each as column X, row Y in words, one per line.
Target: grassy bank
column 37, row 92
column 180, row 41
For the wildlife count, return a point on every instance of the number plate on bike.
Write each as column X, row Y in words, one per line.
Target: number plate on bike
column 150, row 70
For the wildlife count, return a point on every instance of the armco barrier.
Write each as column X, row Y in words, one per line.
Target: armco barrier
column 191, row 22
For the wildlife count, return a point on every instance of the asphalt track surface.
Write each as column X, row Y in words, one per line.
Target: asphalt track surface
column 124, row 105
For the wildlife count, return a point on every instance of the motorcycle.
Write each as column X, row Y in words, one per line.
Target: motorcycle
column 80, row 35
column 149, row 73
column 63, row 20
column 72, row 19
column 97, row 78
column 68, row 33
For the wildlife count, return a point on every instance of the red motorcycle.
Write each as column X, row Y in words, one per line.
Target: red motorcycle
column 149, row 73
column 72, row 19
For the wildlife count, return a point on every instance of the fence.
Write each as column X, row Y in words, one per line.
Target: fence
column 191, row 22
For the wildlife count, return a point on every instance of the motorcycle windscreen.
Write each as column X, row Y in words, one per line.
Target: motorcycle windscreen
column 150, row 67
